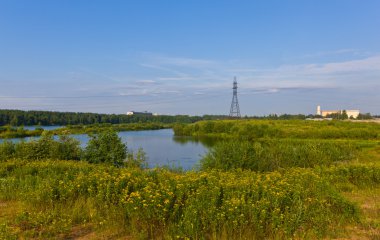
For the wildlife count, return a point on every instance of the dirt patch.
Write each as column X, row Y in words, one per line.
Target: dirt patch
column 376, row 120
column 78, row 232
column 87, row 232
column 9, row 209
column 369, row 202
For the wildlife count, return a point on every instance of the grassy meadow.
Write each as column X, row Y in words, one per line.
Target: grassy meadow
column 298, row 129
column 262, row 179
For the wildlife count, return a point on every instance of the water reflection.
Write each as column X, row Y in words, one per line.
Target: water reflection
column 205, row 141
column 31, row 128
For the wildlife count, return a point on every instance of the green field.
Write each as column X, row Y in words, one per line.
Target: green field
column 261, row 180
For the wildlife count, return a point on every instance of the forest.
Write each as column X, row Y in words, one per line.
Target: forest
column 46, row 118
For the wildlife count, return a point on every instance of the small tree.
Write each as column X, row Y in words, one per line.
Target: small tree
column 35, row 149
column 366, row 116
column 7, row 150
column 138, row 160
column 344, row 115
column 106, row 147
column 66, row 148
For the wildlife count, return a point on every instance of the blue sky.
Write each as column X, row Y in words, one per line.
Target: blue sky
column 180, row 57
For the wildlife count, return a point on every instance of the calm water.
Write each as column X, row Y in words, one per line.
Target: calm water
column 161, row 147
column 43, row 127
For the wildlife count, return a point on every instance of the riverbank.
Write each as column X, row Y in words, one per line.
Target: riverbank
column 7, row 132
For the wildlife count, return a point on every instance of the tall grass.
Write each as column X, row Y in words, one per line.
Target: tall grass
column 270, row 155
column 162, row 204
column 346, row 177
column 254, row 129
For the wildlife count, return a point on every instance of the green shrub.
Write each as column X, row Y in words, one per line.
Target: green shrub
column 66, row 148
column 35, row 149
column 136, row 160
column 7, row 150
column 106, row 147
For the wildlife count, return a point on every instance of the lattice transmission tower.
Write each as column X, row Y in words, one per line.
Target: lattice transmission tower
column 235, row 111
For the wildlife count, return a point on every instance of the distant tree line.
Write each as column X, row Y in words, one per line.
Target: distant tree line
column 285, row 117
column 343, row 115
column 47, row 118
column 365, row 116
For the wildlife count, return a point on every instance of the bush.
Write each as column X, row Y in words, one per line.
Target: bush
column 106, row 147
column 66, row 148
column 7, row 150
column 36, row 149
column 138, row 160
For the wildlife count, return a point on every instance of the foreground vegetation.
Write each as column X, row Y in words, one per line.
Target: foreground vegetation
column 251, row 185
column 59, row 195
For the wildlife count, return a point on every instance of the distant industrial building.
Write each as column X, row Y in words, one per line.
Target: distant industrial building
column 140, row 113
column 325, row 113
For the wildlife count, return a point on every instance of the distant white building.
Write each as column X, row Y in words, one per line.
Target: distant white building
column 319, row 110
column 350, row 113
column 139, row 113
column 353, row 113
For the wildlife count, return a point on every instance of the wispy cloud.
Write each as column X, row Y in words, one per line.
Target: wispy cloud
column 163, row 69
column 202, row 76
column 146, row 82
column 364, row 73
column 295, row 88
column 178, row 61
column 179, row 78
column 360, row 65
column 350, row 52
column 331, row 53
